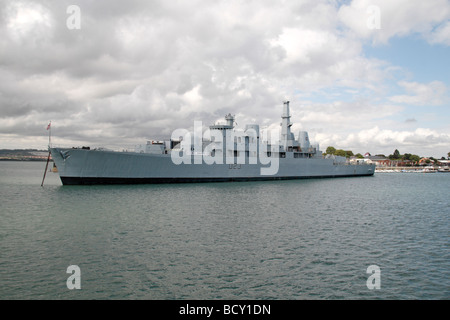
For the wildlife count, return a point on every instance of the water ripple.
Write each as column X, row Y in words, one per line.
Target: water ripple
column 311, row 239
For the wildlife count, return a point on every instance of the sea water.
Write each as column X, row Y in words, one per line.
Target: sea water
column 299, row 239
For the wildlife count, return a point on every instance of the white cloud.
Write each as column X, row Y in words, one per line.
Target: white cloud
column 433, row 93
column 27, row 22
column 397, row 18
column 139, row 69
column 421, row 141
column 441, row 35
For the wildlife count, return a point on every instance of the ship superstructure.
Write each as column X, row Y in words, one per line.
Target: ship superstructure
column 220, row 153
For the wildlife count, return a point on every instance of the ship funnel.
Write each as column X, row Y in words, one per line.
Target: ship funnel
column 303, row 140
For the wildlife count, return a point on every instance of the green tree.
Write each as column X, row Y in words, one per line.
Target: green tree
column 331, row 150
column 396, row 154
column 448, row 155
column 341, row 153
column 359, row 156
column 407, row 156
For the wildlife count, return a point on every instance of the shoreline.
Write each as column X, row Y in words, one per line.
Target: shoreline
column 426, row 169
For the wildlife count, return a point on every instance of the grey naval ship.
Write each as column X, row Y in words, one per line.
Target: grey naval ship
column 220, row 153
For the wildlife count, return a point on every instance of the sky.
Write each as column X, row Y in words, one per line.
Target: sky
column 362, row 75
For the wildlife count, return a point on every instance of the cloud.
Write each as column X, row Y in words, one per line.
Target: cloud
column 230, row 54
column 365, row 126
column 138, row 70
column 27, row 21
column 375, row 140
column 441, row 34
column 433, row 93
column 381, row 20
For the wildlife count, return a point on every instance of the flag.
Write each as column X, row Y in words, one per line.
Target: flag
column 48, row 127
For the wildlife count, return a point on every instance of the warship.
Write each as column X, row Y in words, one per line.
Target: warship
column 220, row 153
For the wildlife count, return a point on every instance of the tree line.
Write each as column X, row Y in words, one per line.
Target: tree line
column 394, row 156
column 342, row 153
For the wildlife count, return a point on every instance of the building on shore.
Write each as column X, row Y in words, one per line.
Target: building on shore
column 443, row 163
column 382, row 161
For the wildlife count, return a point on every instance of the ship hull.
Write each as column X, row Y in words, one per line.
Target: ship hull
column 88, row 167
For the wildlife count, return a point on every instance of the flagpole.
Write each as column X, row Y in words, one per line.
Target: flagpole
column 49, row 128
column 46, row 166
